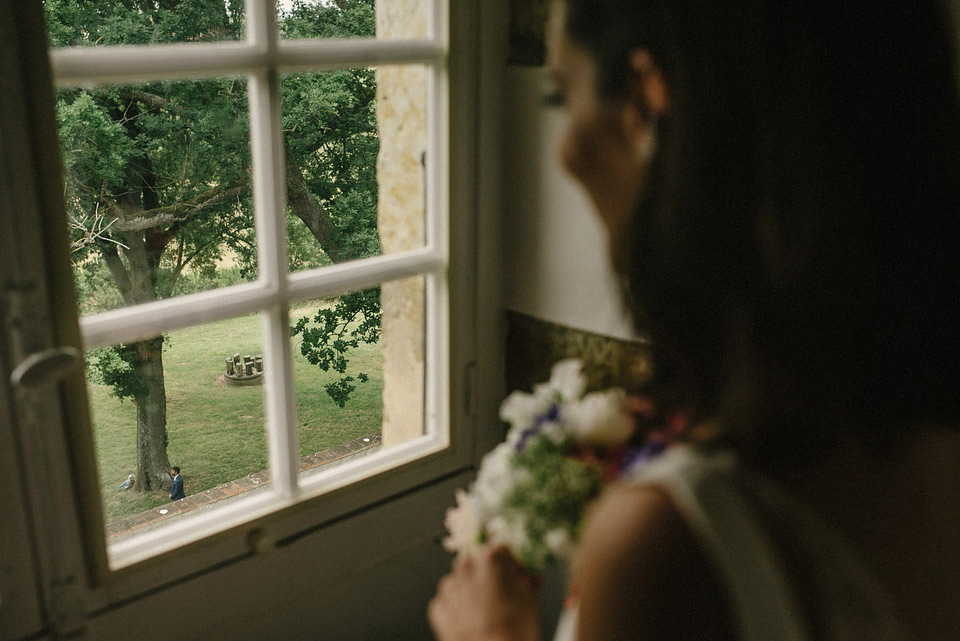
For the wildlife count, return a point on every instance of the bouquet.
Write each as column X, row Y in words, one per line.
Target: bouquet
column 532, row 491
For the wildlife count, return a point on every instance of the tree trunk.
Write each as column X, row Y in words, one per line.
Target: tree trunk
column 305, row 206
column 153, row 466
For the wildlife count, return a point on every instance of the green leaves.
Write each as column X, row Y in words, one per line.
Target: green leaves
column 116, row 366
column 331, row 130
column 336, row 329
column 342, row 19
column 115, row 22
column 551, row 497
column 96, row 148
column 158, row 173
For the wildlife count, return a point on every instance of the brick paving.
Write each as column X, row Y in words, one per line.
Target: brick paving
column 338, row 453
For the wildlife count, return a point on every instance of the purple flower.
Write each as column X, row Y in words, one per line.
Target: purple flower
column 551, row 416
column 635, row 456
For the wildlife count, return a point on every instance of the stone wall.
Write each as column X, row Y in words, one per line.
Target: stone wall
column 402, row 120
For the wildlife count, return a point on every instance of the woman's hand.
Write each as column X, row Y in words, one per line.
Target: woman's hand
column 487, row 597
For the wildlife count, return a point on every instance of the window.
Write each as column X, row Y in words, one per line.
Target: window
column 412, row 261
column 354, row 552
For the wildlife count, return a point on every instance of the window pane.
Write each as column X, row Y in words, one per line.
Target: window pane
column 356, row 143
column 117, row 22
column 359, row 370
column 338, row 369
column 158, row 189
column 355, row 19
column 177, row 400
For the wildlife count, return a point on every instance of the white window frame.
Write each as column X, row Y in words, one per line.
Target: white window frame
column 444, row 446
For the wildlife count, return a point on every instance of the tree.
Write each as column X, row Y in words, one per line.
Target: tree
column 157, row 176
column 331, row 135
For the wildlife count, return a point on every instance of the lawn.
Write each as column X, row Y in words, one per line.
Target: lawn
column 215, row 432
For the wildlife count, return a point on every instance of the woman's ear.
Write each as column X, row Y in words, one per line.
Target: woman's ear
column 647, row 97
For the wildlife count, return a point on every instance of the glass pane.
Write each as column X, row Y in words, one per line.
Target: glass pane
column 326, row 19
column 115, row 22
column 178, row 400
column 157, row 189
column 358, row 365
column 353, row 19
column 356, row 143
column 338, row 372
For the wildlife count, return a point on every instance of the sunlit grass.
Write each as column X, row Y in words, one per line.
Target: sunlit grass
column 215, row 432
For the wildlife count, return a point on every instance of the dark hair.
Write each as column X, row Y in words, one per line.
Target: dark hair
column 175, row 469
column 796, row 255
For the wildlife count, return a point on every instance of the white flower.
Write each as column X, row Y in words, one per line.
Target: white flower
column 559, row 541
column 567, row 379
column 600, row 418
column 554, row 431
column 463, row 525
column 497, row 477
column 511, row 532
column 521, row 410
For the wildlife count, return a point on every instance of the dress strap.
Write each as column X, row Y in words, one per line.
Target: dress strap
column 707, row 493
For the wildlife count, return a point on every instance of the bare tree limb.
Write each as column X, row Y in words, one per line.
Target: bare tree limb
column 94, row 231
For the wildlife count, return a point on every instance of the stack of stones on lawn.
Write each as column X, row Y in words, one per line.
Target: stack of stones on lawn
column 246, row 370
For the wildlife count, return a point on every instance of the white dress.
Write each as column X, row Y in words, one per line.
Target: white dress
column 730, row 512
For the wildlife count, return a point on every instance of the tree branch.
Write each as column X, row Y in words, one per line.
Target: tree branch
column 117, row 271
column 307, row 208
column 92, row 230
column 183, row 211
column 151, row 100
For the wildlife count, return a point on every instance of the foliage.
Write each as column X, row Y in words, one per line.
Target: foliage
column 158, row 184
column 115, row 22
column 302, row 249
column 342, row 18
column 329, row 121
column 353, row 318
column 95, row 289
column 84, row 125
column 330, row 127
column 115, row 366
column 216, row 432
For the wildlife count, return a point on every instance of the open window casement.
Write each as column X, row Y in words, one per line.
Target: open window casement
column 60, row 572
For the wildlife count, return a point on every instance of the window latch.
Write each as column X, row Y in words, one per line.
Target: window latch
column 22, row 319
column 47, row 366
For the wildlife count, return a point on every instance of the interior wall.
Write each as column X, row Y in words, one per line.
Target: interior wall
column 554, row 248
column 300, row 590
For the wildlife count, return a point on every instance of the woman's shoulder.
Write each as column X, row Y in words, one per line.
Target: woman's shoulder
column 640, row 572
column 627, row 533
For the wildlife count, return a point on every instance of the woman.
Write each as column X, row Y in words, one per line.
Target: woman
column 781, row 186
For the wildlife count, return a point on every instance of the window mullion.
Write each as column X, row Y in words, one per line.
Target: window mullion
column 271, row 225
column 437, row 344
column 280, row 410
column 137, row 63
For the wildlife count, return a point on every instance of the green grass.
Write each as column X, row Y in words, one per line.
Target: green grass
column 216, row 433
